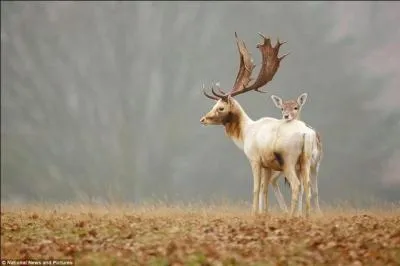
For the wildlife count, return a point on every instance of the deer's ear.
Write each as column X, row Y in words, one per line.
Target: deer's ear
column 301, row 100
column 277, row 101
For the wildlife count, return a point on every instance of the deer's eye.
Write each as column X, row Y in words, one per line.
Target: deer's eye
column 221, row 109
column 296, row 108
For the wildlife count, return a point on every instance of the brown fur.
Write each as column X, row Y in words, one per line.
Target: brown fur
column 319, row 142
column 233, row 123
column 271, row 162
column 291, row 104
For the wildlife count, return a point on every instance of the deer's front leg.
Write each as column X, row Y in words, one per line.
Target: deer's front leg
column 256, row 169
column 290, row 174
column 265, row 177
column 278, row 193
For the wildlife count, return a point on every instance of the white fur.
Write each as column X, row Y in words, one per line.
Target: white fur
column 316, row 156
column 260, row 139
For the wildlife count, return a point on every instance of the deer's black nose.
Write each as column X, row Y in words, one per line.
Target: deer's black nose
column 286, row 116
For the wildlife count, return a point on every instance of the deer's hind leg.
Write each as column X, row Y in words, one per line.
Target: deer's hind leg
column 314, row 187
column 300, row 203
column 277, row 191
column 305, row 180
column 290, row 173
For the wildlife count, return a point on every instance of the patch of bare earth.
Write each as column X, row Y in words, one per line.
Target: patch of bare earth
column 129, row 235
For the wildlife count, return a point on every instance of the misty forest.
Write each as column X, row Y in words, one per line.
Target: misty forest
column 101, row 101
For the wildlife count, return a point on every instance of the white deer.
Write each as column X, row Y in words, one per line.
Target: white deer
column 291, row 110
column 270, row 144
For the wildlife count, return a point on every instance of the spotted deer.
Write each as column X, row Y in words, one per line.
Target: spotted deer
column 291, row 110
column 270, row 144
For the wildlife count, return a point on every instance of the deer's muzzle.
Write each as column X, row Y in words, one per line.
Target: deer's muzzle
column 203, row 120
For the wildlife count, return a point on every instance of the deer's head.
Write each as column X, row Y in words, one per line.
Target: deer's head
column 223, row 110
column 221, row 113
column 291, row 109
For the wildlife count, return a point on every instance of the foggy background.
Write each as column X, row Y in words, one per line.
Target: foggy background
column 102, row 101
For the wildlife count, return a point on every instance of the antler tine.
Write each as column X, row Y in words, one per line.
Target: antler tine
column 246, row 66
column 221, row 95
column 283, row 56
column 207, row 95
column 258, row 90
column 269, row 66
column 279, row 44
column 219, row 89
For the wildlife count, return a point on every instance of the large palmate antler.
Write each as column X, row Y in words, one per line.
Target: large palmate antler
column 270, row 65
column 243, row 76
column 245, row 68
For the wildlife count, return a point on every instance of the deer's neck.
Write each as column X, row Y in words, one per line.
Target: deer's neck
column 236, row 123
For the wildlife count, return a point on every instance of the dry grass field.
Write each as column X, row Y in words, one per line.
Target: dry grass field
column 198, row 235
